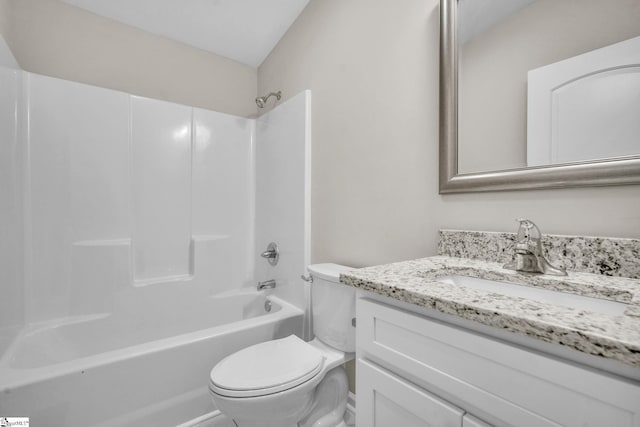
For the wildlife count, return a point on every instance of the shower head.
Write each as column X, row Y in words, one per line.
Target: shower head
column 261, row 101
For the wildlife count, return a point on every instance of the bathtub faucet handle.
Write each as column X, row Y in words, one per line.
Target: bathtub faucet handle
column 272, row 254
column 269, row 284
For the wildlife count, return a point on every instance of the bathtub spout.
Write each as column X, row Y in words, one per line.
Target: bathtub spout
column 269, row 284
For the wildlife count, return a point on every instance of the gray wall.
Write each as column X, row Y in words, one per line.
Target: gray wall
column 5, row 13
column 6, row 56
column 373, row 71
column 55, row 39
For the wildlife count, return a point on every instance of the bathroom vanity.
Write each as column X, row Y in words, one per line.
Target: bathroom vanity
column 434, row 350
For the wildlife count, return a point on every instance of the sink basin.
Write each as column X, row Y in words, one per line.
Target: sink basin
column 577, row 302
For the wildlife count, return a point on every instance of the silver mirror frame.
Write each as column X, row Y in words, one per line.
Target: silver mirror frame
column 594, row 173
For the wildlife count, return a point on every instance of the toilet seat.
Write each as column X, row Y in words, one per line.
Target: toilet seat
column 266, row 368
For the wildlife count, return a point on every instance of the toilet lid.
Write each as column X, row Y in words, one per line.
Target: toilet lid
column 266, row 368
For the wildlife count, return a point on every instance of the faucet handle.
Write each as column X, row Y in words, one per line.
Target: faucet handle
column 526, row 227
column 529, row 255
column 528, row 237
column 272, row 254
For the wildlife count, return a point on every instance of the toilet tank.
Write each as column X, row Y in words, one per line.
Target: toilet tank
column 333, row 307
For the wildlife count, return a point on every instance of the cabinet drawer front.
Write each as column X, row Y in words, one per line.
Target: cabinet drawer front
column 386, row 400
column 513, row 385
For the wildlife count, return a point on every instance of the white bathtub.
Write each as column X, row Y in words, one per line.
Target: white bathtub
column 130, row 369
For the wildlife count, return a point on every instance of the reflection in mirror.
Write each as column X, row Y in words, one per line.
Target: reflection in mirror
column 547, row 82
column 585, row 107
column 489, row 72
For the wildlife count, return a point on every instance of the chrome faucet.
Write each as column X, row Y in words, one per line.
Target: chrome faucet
column 272, row 254
column 528, row 256
column 269, row 284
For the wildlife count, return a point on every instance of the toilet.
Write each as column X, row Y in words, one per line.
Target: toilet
column 289, row 382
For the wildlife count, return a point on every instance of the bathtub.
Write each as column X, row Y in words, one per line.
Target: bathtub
column 128, row 368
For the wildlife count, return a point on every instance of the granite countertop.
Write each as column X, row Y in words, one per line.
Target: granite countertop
column 610, row 336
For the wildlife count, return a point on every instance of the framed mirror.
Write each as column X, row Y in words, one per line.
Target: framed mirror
column 513, row 118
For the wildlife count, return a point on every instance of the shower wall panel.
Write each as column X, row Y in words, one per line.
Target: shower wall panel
column 78, row 182
column 283, row 167
column 125, row 200
column 161, row 160
column 11, row 209
column 223, row 193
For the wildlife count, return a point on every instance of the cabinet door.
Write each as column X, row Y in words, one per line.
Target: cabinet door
column 385, row 400
column 471, row 421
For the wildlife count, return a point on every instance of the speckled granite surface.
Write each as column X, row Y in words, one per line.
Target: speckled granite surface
column 611, row 336
column 598, row 255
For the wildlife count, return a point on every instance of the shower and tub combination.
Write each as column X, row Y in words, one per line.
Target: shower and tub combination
column 134, row 233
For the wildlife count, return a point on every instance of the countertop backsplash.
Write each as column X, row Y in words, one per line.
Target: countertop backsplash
column 597, row 255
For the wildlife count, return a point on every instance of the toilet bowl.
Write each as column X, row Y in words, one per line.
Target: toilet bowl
column 289, row 382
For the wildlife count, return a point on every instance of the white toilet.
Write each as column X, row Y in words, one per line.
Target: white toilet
column 290, row 382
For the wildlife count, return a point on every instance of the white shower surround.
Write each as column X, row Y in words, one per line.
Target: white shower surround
column 119, row 196
column 132, row 204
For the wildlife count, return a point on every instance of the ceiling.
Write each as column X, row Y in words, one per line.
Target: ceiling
column 243, row 30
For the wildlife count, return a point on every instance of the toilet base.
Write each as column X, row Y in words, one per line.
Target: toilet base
column 325, row 403
column 329, row 401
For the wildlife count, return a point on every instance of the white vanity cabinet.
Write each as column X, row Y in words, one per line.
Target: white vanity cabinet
column 413, row 370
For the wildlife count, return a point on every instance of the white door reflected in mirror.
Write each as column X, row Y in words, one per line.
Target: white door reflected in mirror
column 586, row 107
